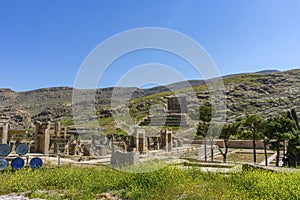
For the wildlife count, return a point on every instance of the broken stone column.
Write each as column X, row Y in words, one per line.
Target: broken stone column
column 4, row 130
column 135, row 140
column 166, row 139
column 142, row 140
column 132, row 143
column 180, row 143
column 67, row 147
column 65, row 133
column 156, row 143
column 102, row 151
column 57, row 128
column 47, row 139
column 169, row 139
column 175, row 143
column 93, row 141
column 149, row 143
column 42, row 137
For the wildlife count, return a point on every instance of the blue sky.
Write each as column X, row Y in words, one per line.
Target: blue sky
column 43, row 43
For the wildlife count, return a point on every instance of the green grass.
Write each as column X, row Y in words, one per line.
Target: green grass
column 121, row 132
column 244, row 157
column 167, row 183
column 67, row 122
column 108, row 124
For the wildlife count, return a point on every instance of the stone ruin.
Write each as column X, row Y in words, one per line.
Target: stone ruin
column 177, row 104
column 52, row 138
column 47, row 138
column 127, row 149
column 13, row 137
column 175, row 113
column 137, row 142
column 121, row 159
column 4, row 129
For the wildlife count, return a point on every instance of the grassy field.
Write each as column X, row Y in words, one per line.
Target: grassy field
column 244, row 157
column 170, row 182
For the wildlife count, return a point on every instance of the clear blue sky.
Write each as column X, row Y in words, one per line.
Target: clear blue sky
column 43, row 43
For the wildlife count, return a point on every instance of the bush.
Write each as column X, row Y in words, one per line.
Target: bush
column 169, row 182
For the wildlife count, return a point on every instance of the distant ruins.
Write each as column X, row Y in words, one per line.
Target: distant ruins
column 46, row 138
column 52, row 138
column 137, row 142
column 174, row 114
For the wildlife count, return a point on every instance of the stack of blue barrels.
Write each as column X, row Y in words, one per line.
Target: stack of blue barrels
column 18, row 162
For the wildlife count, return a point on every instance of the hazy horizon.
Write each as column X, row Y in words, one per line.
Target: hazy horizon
column 149, row 86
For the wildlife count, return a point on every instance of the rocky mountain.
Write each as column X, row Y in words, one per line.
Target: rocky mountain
column 18, row 118
column 265, row 93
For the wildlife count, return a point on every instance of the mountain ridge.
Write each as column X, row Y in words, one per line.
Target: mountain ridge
column 261, row 92
column 192, row 82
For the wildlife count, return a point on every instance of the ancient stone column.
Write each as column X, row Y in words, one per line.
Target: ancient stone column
column 93, row 141
column 42, row 137
column 164, row 140
column 169, row 139
column 57, row 128
column 47, row 140
column 156, row 143
column 149, row 143
column 142, row 140
column 4, row 130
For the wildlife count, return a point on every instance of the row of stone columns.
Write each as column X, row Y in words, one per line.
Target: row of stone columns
column 139, row 142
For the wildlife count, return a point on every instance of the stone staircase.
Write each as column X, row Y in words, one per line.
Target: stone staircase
column 169, row 120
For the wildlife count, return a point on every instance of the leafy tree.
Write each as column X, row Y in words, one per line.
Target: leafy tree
column 253, row 126
column 293, row 115
column 205, row 118
column 267, row 136
column 292, row 158
column 282, row 128
column 212, row 133
column 293, row 151
column 227, row 132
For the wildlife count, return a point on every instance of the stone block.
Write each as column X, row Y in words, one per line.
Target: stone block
column 121, row 159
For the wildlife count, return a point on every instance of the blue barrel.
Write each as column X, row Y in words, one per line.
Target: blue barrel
column 4, row 149
column 3, row 163
column 22, row 149
column 35, row 163
column 17, row 163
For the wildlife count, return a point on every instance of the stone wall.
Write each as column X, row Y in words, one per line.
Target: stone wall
column 121, row 159
column 177, row 104
column 244, row 144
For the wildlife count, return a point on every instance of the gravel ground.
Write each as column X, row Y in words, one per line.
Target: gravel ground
column 12, row 197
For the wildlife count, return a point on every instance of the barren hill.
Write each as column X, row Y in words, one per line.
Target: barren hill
column 265, row 93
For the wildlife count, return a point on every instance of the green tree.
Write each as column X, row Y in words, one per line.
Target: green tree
column 293, row 115
column 253, row 126
column 227, row 132
column 292, row 157
column 205, row 113
column 267, row 136
column 212, row 133
column 281, row 129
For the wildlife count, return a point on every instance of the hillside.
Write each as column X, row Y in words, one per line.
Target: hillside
column 265, row 93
